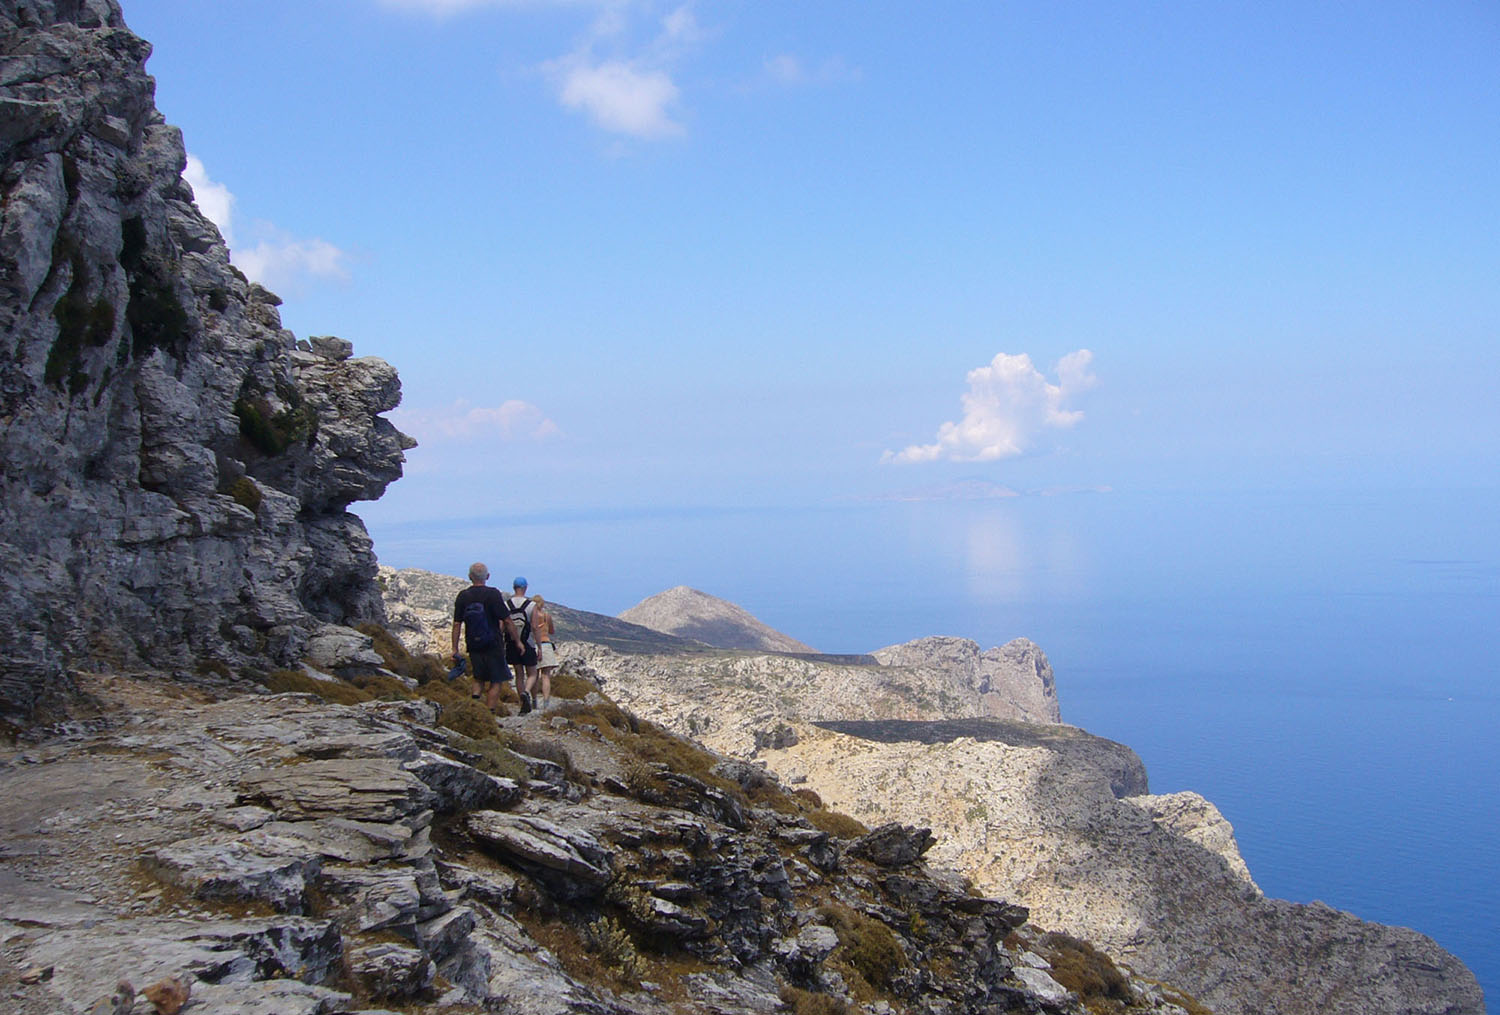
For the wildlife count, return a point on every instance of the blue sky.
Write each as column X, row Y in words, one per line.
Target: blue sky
column 628, row 254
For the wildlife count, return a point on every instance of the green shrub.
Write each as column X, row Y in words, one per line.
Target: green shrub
column 615, row 948
column 246, row 493
column 865, row 945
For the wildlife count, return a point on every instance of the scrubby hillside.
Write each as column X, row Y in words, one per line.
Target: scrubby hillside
column 688, row 613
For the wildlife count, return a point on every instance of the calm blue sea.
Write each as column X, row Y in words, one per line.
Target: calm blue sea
column 1323, row 666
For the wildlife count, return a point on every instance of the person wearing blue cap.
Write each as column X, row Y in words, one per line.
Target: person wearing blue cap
column 521, row 653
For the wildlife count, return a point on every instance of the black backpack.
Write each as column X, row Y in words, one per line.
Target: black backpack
column 520, row 618
column 482, row 633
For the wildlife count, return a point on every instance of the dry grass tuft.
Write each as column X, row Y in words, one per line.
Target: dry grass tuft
column 422, row 668
column 836, row 824
column 805, row 1002
column 1087, row 972
column 867, row 947
column 295, row 681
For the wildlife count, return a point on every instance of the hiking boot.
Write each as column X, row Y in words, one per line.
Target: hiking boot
column 525, row 703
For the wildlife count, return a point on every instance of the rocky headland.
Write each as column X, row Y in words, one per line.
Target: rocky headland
column 970, row 744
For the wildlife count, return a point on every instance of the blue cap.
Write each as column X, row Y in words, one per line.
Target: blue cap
column 519, row 583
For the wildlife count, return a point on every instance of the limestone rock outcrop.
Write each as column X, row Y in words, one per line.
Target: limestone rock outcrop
column 688, row 613
column 175, row 467
column 1014, row 680
column 1061, row 822
column 278, row 855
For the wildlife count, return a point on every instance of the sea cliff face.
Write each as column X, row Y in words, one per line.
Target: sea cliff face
column 175, row 467
column 1042, row 813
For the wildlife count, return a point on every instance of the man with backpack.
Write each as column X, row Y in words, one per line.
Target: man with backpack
column 483, row 614
column 521, row 654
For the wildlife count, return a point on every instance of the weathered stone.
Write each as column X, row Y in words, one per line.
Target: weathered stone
column 391, row 971
column 543, row 847
column 165, row 461
column 893, row 845
column 359, row 789
column 458, row 787
column 257, row 867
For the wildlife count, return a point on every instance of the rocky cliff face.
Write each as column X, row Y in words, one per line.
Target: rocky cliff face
column 688, row 613
column 1059, row 824
column 1014, row 680
column 175, row 467
column 1043, row 813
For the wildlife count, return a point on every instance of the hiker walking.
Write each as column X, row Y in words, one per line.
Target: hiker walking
column 521, row 653
column 546, row 651
column 488, row 633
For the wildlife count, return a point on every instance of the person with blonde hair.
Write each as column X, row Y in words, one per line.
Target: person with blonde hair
column 546, row 651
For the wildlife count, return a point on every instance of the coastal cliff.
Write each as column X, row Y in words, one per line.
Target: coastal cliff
column 175, row 467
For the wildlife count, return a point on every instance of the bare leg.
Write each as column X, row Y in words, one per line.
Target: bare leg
column 547, row 686
column 492, row 696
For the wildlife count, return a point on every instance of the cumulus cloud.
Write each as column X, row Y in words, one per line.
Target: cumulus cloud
column 213, row 199
column 277, row 259
column 1009, row 405
column 280, row 261
column 512, row 419
column 618, row 96
column 631, row 90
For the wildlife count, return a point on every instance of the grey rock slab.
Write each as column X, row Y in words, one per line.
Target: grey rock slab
column 1039, row 983
column 372, row 898
column 542, row 843
column 267, row 997
column 355, row 841
column 360, row 789
column 893, row 845
column 458, row 787
column 390, row 971
column 256, row 867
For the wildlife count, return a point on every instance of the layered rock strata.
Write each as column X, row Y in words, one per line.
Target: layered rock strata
column 282, row 855
column 175, row 467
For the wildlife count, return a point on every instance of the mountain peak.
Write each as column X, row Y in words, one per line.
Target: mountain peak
column 690, row 613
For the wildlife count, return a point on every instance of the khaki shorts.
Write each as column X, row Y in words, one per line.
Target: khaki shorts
column 546, row 655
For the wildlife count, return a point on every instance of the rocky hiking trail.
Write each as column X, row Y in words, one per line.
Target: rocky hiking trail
column 281, row 854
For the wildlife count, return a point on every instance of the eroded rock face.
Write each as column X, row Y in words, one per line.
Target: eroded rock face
column 1014, row 680
column 175, row 468
column 1060, row 822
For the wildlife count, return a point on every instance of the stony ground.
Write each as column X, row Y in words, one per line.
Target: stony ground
column 281, row 854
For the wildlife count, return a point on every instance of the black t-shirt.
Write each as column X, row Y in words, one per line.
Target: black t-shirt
column 494, row 609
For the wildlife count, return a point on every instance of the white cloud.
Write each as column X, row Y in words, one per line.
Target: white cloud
column 631, row 90
column 618, row 96
column 1009, row 404
column 512, row 419
column 282, row 262
column 213, row 199
column 788, row 70
column 277, row 260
